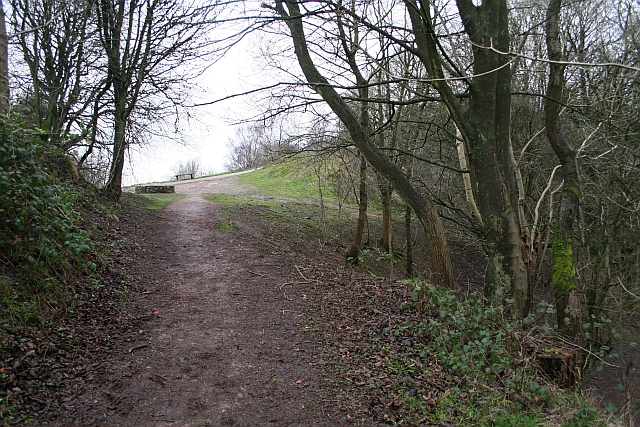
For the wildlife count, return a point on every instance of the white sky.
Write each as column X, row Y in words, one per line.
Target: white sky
column 247, row 66
column 206, row 133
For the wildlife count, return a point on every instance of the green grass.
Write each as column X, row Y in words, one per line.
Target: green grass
column 153, row 202
column 229, row 227
column 292, row 179
column 229, row 200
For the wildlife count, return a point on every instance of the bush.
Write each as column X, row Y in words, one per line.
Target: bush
column 39, row 234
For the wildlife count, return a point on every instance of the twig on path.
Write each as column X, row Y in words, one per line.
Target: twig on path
column 285, row 292
column 258, row 274
column 138, row 347
column 291, row 284
column 305, row 278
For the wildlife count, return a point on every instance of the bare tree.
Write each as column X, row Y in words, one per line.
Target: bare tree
column 349, row 40
column 425, row 211
column 147, row 45
column 250, row 148
column 190, row 167
column 56, row 40
column 4, row 63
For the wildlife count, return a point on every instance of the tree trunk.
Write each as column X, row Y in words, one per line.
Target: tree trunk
column 407, row 232
column 491, row 168
column 562, row 260
column 484, row 127
column 353, row 251
column 350, row 47
column 386, row 191
column 466, row 179
column 425, row 211
column 4, row 63
column 114, row 185
column 407, row 218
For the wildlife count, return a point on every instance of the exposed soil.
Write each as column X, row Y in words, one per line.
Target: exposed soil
column 217, row 341
column 237, row 321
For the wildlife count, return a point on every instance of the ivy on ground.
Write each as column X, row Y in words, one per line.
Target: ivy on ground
column 40, row 238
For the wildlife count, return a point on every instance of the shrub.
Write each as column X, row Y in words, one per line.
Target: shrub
column 39, row 234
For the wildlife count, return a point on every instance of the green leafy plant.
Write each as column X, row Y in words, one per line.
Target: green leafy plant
column 40, row 236
column 229, row 227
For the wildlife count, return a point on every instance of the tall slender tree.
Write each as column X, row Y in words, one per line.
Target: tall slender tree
column 4, row 63
column 349, row 40
column 289, row 11
column 563, row 262
column 148, row 45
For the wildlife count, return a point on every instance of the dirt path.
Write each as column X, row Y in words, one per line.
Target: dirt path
column 218, row 341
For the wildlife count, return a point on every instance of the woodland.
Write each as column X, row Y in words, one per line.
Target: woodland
column 510, row 125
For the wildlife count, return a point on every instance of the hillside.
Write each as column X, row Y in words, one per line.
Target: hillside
column 230, row 303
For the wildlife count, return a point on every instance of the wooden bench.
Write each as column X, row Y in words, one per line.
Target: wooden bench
column 184, row 176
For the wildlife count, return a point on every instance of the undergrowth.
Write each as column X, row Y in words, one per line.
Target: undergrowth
column 41, row 240
column 62, row 273
column 438, row 360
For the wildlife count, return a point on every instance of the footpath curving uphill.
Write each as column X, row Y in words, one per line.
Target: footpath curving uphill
column 217, row 340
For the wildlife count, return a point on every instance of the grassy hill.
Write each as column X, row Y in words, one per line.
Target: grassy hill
column 402, row 352
column 394, row 350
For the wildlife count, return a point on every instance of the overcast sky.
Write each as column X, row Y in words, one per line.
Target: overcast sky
column 206, row 133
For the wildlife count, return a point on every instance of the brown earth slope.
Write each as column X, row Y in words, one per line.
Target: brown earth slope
column 233, row 325
column 217, row 341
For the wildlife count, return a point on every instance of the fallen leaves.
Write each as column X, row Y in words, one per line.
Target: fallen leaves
column 44, row 365
column 359, row 316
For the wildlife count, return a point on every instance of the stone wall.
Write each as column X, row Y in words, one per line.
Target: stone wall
column 156, row 189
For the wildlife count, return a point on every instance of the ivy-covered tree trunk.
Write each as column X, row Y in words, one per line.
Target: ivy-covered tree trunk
column 563, row 276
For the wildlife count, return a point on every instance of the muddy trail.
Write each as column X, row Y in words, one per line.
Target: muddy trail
column 217, row 340
column 242, row 316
